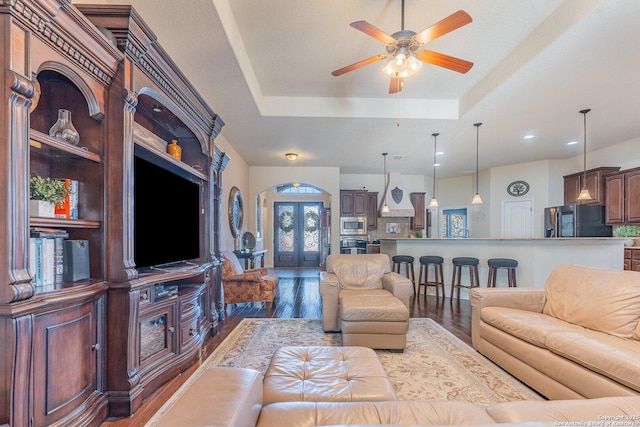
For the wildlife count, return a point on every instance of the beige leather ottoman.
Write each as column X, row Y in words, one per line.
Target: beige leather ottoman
column 326, row 374
column 375, row 321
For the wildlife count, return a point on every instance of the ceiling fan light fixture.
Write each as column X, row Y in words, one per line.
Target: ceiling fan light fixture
column 402, row 66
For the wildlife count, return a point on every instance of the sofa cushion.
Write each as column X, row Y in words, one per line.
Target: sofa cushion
column 604, row 411
column 359, row 271
column 529, row 326
column 615, row 358
column 407, row 413
column 598, row 299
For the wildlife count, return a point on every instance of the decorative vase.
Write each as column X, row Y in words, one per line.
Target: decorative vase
column 41, row 208
column 63, row 129
column 174, row 149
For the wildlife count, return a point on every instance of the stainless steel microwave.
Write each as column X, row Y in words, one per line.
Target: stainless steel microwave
column 353, row 225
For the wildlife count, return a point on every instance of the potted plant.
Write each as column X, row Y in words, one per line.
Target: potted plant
column 45, row 194
column 632, row 232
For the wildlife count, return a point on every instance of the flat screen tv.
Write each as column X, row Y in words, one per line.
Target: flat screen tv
column 166, row 226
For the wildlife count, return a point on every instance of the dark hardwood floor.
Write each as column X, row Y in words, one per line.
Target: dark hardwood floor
column 298, row 297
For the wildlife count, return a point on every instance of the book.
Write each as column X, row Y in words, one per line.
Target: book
column 68, row 209
column 46, row 250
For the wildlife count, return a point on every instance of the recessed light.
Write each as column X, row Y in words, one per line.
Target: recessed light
column 436, row 164
column 439, row 153
column 572, row 142
column 529, row 136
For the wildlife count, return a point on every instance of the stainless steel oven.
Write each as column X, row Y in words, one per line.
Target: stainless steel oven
column 353, row 226
column 353, row 245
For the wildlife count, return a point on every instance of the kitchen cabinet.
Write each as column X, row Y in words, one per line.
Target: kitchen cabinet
column 373, row 248
column 372, row 210
column 595, row 183
column 418, row 220
column 632, row 259
column 623, row 197
column 353, row 202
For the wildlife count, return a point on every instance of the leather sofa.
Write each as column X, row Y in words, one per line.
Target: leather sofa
column 233, row 397
column 579, row 337
column 359, row 275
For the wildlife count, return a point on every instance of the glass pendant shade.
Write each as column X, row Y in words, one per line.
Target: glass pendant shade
column 584, row 193
column 434, row 202
column 385, row 208
column 477, row 199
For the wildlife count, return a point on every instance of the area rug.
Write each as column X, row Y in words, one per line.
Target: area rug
column 435, row 364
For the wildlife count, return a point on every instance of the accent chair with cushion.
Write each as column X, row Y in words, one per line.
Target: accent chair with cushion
column 252, row 285
column 367, row 277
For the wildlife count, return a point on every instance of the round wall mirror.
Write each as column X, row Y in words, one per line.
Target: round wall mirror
column 235, row 212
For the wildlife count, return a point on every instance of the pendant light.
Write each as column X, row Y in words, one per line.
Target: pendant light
column 477, row 199
column 434, row 202
column 385, row 208
column 584, row 194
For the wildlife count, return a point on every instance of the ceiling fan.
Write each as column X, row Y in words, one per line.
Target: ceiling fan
column 403, row 47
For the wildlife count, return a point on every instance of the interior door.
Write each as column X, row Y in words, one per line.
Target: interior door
column 517, row 218
column 297, row 228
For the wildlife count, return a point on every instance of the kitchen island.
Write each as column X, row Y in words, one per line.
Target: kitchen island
column 536, row 257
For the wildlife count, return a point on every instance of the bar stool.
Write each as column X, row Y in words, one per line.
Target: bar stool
column 474, row 281
column 438, row 278
column 407, row 262
column 507, row 263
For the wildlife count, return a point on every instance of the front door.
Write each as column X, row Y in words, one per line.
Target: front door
column 297, row 234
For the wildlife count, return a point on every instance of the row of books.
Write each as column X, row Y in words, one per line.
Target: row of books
column 69, row 208
column 46, row 255
column 53, row 259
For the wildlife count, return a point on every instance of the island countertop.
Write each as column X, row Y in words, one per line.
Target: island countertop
column 536, row 257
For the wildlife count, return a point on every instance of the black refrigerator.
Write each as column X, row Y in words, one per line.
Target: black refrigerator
column 576, row 221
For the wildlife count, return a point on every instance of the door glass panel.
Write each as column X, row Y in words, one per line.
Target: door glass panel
column 311, row 228
column 286, row 226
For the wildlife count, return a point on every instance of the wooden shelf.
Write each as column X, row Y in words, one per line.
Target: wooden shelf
column 43, row 141
column 38, row 221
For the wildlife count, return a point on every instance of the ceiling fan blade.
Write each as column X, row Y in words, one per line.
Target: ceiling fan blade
column 359, row 64
column 440, row 28
column 396, row 85
column 373, row 31
column 446, row 61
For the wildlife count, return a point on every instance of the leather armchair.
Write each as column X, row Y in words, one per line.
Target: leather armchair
column 252, row 285
column 362, row 274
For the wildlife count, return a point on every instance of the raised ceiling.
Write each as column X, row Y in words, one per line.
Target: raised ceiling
column 265, row 68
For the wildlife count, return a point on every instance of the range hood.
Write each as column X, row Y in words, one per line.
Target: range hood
column 397, row 199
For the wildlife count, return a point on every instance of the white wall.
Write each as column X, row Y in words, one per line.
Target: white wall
column 264, row 178
column 544, row 177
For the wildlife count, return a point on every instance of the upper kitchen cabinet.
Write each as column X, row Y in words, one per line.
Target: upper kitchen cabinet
column 353, row 202
column 623, row 197
column 595, row 183
column 418, row 219
column 372, row 210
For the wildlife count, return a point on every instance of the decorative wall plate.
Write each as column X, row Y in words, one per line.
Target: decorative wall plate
column 518, row 188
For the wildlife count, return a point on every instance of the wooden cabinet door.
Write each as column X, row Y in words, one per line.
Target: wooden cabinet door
column 418, row 220
column 372, row 210
column 572, row 187
column 67, row 356
column 360, row 203
column 615, row 205
column 632, row 195
column 346, row 203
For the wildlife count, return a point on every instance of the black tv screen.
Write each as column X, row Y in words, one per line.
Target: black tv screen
column 166, row 227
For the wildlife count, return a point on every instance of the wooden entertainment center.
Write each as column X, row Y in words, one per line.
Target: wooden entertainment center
column 75, row 353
